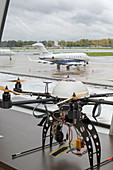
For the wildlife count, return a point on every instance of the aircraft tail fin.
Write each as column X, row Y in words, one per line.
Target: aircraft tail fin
column 41, row 49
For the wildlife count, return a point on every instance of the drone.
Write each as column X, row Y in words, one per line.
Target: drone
column 69, row 126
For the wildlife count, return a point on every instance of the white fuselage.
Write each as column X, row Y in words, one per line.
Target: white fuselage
column 66, row 58
column 78, row 56
column 6, row 52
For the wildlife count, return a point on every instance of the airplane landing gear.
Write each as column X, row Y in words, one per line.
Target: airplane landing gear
column 68, row 67
column 58, row 66
column 10, row 58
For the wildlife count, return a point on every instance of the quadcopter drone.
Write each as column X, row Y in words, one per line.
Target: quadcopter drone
column 69, row 126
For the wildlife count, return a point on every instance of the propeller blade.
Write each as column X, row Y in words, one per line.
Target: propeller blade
column 2, row 88
column 110, row 80
column 15, row 80
column 79, row 95
column 5, row 89
column 17, row 93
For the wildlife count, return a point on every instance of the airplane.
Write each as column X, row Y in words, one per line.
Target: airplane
column 7, row 52
column 68, row 59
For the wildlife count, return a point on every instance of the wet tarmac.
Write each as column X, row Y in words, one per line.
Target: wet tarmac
column 99, row 70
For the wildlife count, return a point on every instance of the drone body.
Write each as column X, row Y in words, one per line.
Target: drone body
column 67, row 87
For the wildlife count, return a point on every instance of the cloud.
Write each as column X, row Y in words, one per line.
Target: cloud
column 44, row 6
column 59, row 19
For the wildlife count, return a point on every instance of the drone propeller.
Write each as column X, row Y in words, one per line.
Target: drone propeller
column 5, row 89
column 18, row 80
column 79, row 95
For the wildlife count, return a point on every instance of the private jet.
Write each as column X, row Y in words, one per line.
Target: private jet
column 68, row 59
column 7, row 52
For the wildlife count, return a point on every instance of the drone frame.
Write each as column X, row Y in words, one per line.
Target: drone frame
column 89, row 133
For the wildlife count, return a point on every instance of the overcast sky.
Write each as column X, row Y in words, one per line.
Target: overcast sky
column 59, row 20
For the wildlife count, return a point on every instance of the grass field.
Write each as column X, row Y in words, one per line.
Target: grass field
column 88, row 53
column 99, row 54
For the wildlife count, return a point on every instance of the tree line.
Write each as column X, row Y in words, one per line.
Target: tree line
column 87, row 43
column 81, row 43
column 13, row 43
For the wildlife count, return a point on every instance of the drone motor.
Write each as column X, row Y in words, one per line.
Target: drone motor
column 6, row 99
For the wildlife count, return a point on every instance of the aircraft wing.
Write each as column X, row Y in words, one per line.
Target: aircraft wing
column 40, row 61
column 44, row 61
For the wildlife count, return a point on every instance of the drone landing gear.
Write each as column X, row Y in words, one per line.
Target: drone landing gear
column 16, row 155
column 88, row 131
column 44, row 133
column 91, row 129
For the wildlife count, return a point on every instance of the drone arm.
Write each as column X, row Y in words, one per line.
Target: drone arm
column 99, row 101
column 101, row 95
column 36, row 94
column 32, row 101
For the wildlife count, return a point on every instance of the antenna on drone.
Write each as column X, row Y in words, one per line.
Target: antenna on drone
column 46, row 86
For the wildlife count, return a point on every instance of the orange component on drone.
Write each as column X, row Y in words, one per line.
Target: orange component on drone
column 78, row 144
